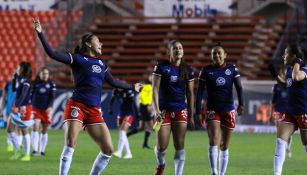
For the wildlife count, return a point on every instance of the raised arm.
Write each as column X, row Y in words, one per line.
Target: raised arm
column 65, row 58
column 298, row 74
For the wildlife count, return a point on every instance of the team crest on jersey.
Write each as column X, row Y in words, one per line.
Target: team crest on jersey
column 100, row 62
column 174, row 78
column 96, row 68
column 47, row 86
column 74, row 113
column 42, row 90
column 220, row 81
column 289, row 82
column 228, row 72
column 211, row 114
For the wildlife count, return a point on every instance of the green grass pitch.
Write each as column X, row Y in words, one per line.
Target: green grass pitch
column 250, row 154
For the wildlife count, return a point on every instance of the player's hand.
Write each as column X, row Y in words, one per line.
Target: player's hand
column 159, row 116
column 138, row 87
column 299, row 61
column 240, row 110
column 37, row 25
column 191, row 123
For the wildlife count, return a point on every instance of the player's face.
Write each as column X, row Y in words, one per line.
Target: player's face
column 288, row 57
column 44, row 75
column 96, row 45
column 19, row 69
column 176, row 51
column 218, row 56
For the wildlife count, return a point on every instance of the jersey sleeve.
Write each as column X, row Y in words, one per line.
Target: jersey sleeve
column 236, row 72
column 190, row 74
column 157, row 70
column 304, row 69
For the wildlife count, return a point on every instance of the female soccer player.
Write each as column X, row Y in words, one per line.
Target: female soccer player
column 83, row 108
column 22, row 110
column 218, row 79
column 296, row 114
column 173, row 83
column 43, row 92
column 128, row 108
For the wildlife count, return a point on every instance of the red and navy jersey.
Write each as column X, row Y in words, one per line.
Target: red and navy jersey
column 172, row 93
column 126, row 99
column 89, row 74
column 219, row 82
column 43, row 94
column 23, row 92
column 280, row 98
column 297, row 93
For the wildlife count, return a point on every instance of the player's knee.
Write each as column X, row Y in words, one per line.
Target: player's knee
column 161, row 148
column 223, row 147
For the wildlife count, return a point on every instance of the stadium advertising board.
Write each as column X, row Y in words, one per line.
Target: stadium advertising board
column 186, row 8
column 26, row 4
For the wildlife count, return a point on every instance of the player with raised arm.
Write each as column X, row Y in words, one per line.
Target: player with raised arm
column 218, row 79
column 84, row 107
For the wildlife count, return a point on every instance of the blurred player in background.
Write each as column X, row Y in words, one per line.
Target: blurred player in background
column 145, row 113
column 84, row 107
column 173, row 92
column 218, row 79
column 43, row 93
column 21, row 116
column 296, row 114
column 128, row 109
column 279, row 106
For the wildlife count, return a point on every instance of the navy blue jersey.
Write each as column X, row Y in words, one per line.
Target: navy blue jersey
column 297, row 94
column 43, row 94
column 126, row 99
column 280, row 99
column 172, row 93
column 20, row 85
column 219, row 82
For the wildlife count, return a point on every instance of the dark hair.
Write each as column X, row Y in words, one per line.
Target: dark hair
column 25, row 69
column 218, row 44
column 296, row 50
column 81, row 47
column 183, row 72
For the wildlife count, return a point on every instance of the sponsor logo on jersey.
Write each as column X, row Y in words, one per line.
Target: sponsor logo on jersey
column 228, row 72
column 289, row 82
column 96, row 68
column 42, row 90
column 174, row 78
column 220, row 81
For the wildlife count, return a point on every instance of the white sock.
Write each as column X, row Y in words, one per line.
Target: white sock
column 223, row 161
column 126, row 144
column 179, row 160
column 35, row 141
column 66, row 158
column 280, row 153
column 213, row 155
column 27, row 143
column 43, row 143
column 305, row 148
column 8, row 141
column 14, row 139
column 19, row 139
column 121, row 141
column 160, row 156
column 100, row 163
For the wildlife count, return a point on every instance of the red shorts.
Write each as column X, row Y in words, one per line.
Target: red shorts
column 25, row 112
column 80, row 112
column 227, row 119
column 178, row 116
column 42, row 115
column 300, row 121
column 126, row 118
column 278, row 116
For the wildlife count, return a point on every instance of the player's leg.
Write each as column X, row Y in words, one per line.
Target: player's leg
column 160, row 149
column 304, row 138
column 71, row 133
column 179, row 131
column 288, row 150
column 35, row 137
column 10, row 146
column 284, row 132
column 101, row 135
column 26, row 143
column 13, row 138
column 124, row 128
column 224, row 153
column 148, row 131
column 214, row 132
column 43, row 138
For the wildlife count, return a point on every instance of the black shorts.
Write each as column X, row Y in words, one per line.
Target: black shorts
column 145, row 113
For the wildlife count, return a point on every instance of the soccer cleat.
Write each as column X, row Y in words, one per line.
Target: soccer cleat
column 43, row 154
column 35, row 154
column 128, row 156
column 16, row 155
column 117, row 154
column 160, row 169
column 25, row 158
column 146, row 147
column 10, row 148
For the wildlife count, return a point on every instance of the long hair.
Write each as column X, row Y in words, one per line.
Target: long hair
column 81, row 47
column 25, row 70
column 297, row 50
column 183, row 72
column 38, row 78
